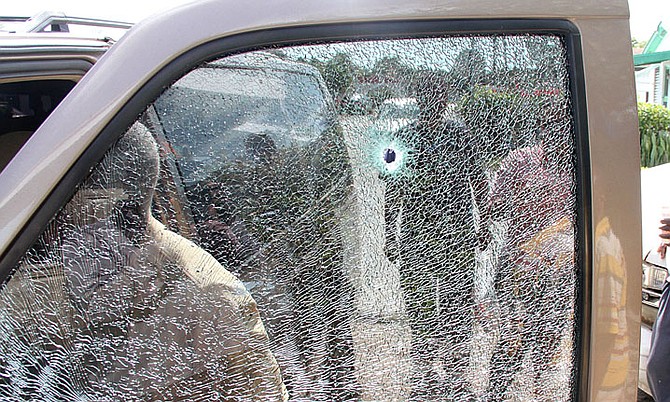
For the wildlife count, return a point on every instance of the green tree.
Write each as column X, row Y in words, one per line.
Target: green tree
column 468, row 70
column 654, row 123
column 388, row 67
column 638, row 44
column 339, row 73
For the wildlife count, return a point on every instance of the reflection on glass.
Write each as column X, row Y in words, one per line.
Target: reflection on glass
column 612, row 286
column 136, row 311
column 382, row 220
column 531, row 194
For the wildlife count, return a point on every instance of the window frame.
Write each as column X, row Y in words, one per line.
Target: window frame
column 353, row 32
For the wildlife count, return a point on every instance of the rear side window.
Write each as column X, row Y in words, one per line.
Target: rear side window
column 23, row 107
column 372, row 220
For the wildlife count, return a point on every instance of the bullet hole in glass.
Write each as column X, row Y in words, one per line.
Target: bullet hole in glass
column 389, row 155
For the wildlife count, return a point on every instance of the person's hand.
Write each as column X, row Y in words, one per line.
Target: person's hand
column 662, row 249
column 665, row 229
column 665, row 235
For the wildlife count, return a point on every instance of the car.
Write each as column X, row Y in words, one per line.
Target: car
column 225, row 138
column 654, row 271
column 40, row 62
column 398, row 112
column 654, row 275
column 196, row 221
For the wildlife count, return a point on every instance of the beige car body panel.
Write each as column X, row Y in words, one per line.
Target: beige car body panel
column 610, row 101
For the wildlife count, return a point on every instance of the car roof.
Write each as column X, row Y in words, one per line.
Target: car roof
column 41, row 56
column 52, row 32
column 53, row 45
column 56, row 22
column 262, row 61
column 13, row 44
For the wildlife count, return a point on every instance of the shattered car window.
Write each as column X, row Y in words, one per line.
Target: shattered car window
column 377, row 220
column 110, row 305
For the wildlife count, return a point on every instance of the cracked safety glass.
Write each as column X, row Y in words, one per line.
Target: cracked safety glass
column 378, row 220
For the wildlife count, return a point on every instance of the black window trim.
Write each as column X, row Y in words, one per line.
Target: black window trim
column 351, row 32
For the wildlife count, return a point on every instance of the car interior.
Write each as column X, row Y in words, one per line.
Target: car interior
column 23, row 107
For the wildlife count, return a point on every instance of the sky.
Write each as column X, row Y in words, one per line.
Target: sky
column 645, row 14
column 119, row 10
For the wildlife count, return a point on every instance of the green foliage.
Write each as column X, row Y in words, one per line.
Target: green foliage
column 468, row 70
column 389, row 66
column 498, row 119
column 339, row 74
column 654, row 123
column 638, row 44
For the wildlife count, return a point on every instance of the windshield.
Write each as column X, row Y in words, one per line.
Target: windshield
column 236, row 110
